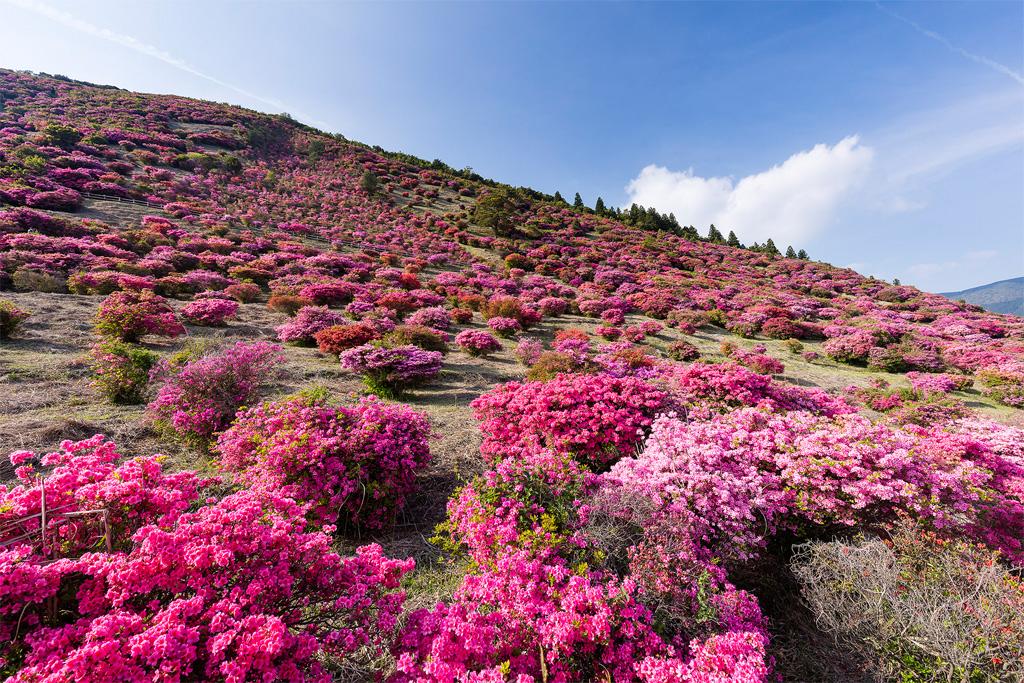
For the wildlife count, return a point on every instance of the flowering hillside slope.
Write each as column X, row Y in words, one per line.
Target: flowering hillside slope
column 600, row 447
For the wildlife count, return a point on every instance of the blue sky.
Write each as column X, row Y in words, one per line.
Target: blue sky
column 888, row 137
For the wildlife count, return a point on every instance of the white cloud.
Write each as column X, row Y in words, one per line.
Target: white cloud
column 789, row 202
column 69, row 20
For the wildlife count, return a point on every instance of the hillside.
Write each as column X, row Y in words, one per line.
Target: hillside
column 639, row 437
column 1004, row 296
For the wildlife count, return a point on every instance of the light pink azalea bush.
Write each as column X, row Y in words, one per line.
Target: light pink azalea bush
column 355, row 464
column 528, row 351
column 745, row 474
column 200, row 398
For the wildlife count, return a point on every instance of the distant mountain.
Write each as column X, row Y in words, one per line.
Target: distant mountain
column 1005, row 296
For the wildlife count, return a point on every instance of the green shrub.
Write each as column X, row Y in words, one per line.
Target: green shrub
column 121, row 370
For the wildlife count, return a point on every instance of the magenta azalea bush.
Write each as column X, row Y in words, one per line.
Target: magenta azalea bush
column 596, row 417
column 200, row 398
column 209, row 312
column 128, row 316
column 357, row 464
column 477, row 342
column 167, row 598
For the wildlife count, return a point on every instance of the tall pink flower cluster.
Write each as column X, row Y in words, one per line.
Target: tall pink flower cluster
column 357, row 464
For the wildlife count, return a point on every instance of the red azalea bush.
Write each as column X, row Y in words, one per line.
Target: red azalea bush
column 287, row 303
column 201, row 397
column 209, row 312
column 359, row 462
column 598, row 418
column 243, row 292
column 131, row 315
column 337, row 338
column 477, row 342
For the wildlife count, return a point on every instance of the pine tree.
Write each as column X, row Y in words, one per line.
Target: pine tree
column 559, row 198
column 802, row 255
column 896, row 281
column 577, row 203
column 714, row 235
column 790, row 253
column 733, row 240
column 368, row 183
column 770, row 247
column 599, row 207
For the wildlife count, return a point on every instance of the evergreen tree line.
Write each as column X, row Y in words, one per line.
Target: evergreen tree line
column 650, row 219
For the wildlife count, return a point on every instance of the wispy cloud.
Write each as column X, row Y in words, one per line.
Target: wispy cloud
column 930, row 276
column 789, row 202
column 985, row 61
column 69, row 20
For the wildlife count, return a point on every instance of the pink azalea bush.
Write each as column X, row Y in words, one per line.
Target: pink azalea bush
column 747, row 473
column 505, row 327
column 167, row 599
column 389, row 372
column 477, row 342
column 209, row 312
column 702, row 388
column 596, row 417
column 359, row 462
column 307, row 322
column 528, row 351
column 131, row 315
column 201, row 397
